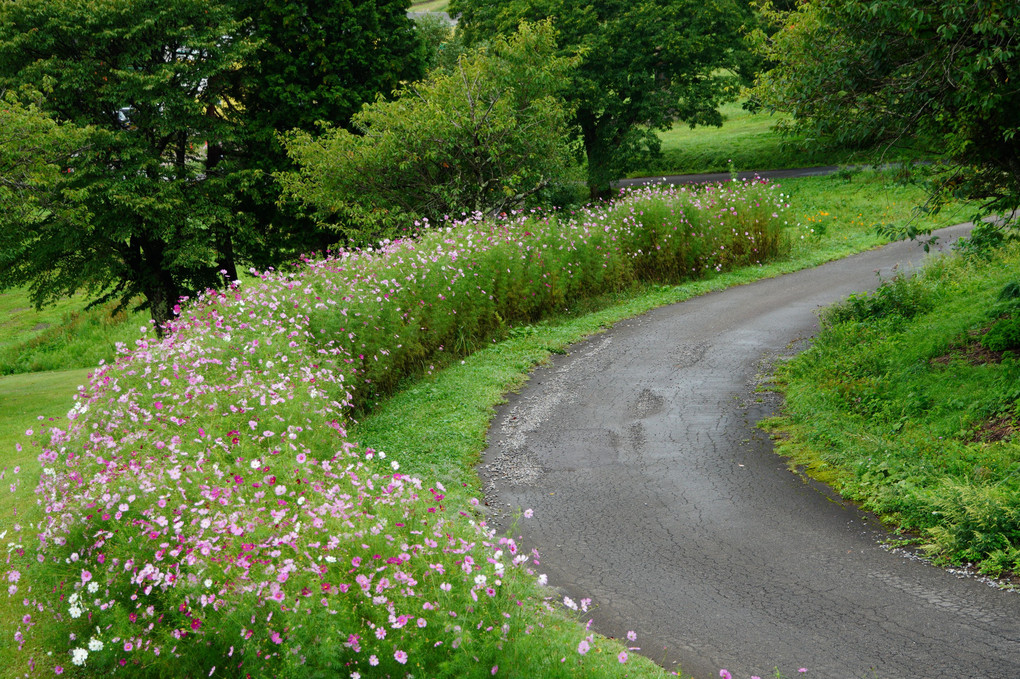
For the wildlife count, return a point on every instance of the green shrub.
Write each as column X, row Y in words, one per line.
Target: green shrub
column 902, row 295
column 1003, row 336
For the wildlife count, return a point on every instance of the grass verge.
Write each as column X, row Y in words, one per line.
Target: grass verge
column 62, row 336
column 909, row 403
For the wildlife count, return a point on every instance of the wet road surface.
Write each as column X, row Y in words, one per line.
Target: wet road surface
column 655, row 495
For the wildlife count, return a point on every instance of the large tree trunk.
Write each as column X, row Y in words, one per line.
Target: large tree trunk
column 224, row 239
column 158, row 285
column 599, row 159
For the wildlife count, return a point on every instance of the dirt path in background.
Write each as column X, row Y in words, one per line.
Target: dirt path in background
column 655, row 495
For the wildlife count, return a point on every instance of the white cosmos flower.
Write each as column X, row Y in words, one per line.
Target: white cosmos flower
column 79, row 655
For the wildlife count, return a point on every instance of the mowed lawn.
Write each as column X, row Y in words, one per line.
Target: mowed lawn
column 749, row 142
column 23, row 400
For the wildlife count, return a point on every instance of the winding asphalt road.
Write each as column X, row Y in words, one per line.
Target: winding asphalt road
column 655, row 495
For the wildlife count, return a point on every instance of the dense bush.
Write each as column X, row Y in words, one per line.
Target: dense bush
column 490, row 134
column 902, row 295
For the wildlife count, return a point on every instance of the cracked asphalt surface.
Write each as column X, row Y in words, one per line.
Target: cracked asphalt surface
column 655, row 495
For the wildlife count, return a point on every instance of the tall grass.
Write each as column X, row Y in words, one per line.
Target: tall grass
column 62, row 337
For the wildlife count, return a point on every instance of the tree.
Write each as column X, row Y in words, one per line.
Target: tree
column 314, row 61
column 645, row 64
column 485, row 136
column 136, row 211
column 34, row 151
column 438, row 37
column 177, row 105
column 877, row 72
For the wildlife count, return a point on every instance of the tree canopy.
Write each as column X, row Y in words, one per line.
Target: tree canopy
column 135, row 212
column 879, row 71
column 645, row 64
column 174, row 108
column 313, row 61
column 485, row 135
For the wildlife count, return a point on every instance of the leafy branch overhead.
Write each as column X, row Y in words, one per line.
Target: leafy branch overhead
column 487, row 135
column 885, row 71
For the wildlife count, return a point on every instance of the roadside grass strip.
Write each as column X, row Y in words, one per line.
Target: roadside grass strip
column 202, row 510
column 908, row 401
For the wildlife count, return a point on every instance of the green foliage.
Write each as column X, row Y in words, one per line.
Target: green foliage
column 488, row 136
column 321, row 60
column 135, row 211
column 857, row 72
column 903, row 296
column 313, row 62
column 983, row 241
column 33, row 148
column 980, row 525
column 899, row 404
column 644, row 65
column 144, row 170
column 1004, row 335
column 442, row 45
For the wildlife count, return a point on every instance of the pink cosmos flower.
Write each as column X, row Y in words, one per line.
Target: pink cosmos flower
column 622, row 657
column 400, row 657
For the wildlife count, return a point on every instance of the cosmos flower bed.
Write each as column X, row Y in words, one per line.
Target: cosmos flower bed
column 204, row 513
column 468, row 282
